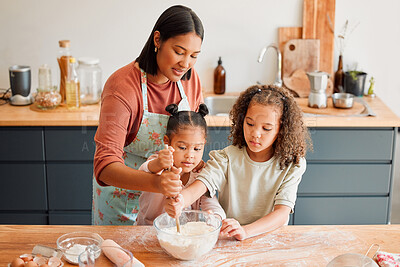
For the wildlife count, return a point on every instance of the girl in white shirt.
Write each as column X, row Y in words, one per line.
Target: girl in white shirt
column 258, row 175
column 185, row 139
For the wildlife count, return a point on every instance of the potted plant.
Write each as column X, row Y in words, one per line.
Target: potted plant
column 354, row 82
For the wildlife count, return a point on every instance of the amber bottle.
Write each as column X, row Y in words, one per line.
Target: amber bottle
column 339, row 76
column 219, row 78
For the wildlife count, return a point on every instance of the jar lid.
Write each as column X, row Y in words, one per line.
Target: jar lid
column 88, row 60
column 64, row 43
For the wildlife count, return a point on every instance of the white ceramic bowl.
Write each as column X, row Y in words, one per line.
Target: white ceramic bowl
column 73, row 244
column 194, row 240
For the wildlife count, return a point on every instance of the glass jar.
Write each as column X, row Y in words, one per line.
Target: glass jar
column 89, row 75
column 47, row 98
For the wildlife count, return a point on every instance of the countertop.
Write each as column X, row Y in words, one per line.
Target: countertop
column 89, row 116
column 288, row 246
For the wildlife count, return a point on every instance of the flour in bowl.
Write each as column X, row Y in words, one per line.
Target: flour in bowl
column 191, row 243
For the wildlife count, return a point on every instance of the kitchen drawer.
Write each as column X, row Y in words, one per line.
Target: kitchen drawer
column 24, row 218
column 70, row 143
column 341, row 210
column 217, row 139
column 351, row 144
column 21, row 143
column 341, row 179
column 70, row 186
column 23, row 186
column 70, row 218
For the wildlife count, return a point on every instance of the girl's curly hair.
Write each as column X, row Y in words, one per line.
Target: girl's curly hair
column 293, row 138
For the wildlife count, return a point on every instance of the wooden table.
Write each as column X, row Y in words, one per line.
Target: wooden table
column 288, row 246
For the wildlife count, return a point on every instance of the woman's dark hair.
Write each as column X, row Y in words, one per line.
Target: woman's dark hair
column 182, row 119
column 293, row 138
column 174, row 21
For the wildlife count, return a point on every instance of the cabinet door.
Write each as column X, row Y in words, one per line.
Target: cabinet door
column 351, row 144
column 70, row 143
column 341, row 210
column 217, row 139
column 346, row 179
column 24, row 218
column 70, row 218
column 70, row 186
column 23, row 186
column 21, row 143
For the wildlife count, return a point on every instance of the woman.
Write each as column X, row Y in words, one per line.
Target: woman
column 133, row 118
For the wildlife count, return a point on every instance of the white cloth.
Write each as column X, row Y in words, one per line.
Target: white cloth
column 152, row 204
column 249, row 190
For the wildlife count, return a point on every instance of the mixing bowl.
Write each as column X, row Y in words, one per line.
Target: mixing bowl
column 73, row 244
column 342, row 100
column 199, row 233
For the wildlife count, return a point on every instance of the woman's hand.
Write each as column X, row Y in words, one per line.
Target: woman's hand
column 170, row 182
column 231, row 227
column 174, row 205
column 199, row 166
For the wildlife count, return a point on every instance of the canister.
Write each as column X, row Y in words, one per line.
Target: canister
column 89, row 74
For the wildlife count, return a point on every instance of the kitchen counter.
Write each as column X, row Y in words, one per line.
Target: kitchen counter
column 89, row 116
column 291, row 245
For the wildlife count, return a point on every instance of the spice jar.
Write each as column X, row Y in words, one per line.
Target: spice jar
column 89, row 73
column 47, row 98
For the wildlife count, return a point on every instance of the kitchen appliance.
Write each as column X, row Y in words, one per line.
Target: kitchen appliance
column 20, row 83
column 318, row 84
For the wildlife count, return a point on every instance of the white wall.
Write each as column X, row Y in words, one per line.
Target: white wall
column 115, row 31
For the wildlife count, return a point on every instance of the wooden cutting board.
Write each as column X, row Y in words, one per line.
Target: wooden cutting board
column 286, row 34
column 357, row 108
column 300, row 54
column 318, row 23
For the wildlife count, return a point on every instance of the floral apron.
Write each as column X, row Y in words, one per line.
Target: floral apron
column 118, row 206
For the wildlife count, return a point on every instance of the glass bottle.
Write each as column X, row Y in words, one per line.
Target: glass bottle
column 89, row 73
column 339, row 77
column 219, row 78
column 64, row 54
column 72, row 90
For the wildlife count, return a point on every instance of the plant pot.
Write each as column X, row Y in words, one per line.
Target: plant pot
column 354, row 82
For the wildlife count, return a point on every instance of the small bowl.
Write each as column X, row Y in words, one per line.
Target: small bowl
column 189, row 244
column 73, row 244
column 343, row 100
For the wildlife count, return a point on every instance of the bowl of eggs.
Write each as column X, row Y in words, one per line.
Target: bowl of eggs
column 73, row 244
column 198, row 234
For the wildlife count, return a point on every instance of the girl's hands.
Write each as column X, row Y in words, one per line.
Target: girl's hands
column 174, row 205
column 165, row 157
column 199, row 166
column 170, row 182
column 231, row 227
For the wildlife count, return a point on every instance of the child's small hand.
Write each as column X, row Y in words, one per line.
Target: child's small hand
column 231, row 227
column 170, row 182
column 199, row 167
column 174, row 205
column 165, row 157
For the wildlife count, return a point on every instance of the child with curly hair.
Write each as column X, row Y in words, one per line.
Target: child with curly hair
column 185, row 139
column 258, row 175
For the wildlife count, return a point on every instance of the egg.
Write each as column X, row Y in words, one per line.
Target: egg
column 17, row 262
column 31, row 264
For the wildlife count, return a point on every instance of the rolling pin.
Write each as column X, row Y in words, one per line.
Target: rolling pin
column 117, row 256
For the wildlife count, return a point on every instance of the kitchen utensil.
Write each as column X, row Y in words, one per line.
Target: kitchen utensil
column 119, row 256
column 73, row 244
column 300, row 54
column 357, row 109
column 286, row 34
column 354, row 259
column 188, row 245
column 318, row 23
column 342, row 100
column 354, row 82
column 20, row 83
column 318, row 84
column 298, row 82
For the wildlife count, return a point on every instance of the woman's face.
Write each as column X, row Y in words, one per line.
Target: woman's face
column 189, row 147
column 261, row 127
column 176, row 56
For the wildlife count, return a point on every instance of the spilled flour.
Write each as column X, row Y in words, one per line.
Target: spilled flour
column 187, row 245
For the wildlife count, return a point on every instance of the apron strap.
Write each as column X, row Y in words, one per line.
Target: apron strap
column 143, row 79
column 181, row 91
